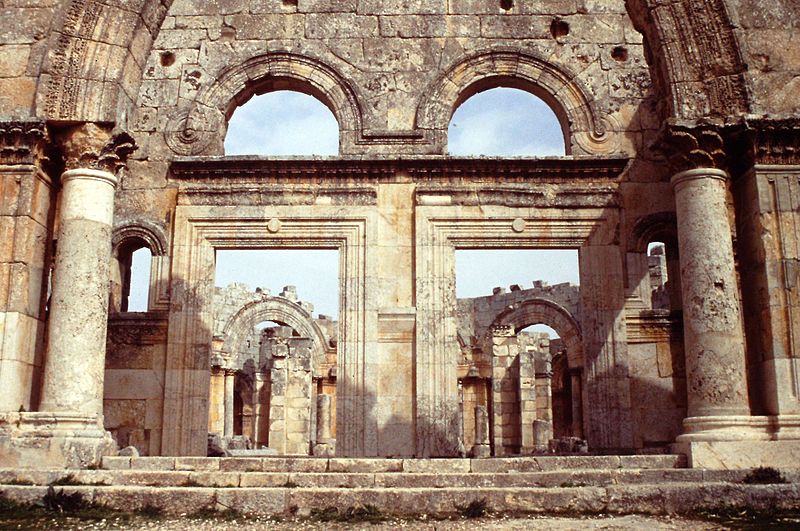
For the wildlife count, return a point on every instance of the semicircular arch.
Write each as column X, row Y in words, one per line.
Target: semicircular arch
column 281, row 311
column 543, row 311
column 506, row 67
column 196, row 129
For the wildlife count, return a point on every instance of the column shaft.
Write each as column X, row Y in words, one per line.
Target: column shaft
column 229, row 381
column 715, row 358
column 75, row 363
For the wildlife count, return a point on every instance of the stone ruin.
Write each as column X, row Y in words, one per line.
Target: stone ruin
column 681, row 120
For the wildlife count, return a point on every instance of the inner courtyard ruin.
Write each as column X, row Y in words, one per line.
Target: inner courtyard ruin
column 678, row 190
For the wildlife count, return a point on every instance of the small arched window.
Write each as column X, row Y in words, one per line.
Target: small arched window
column 130, row 290
column 282, row 123
column 505, row 122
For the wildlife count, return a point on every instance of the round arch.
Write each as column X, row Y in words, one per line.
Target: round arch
column 543, row 311
column 661, row 226
column 505, row 67
column 279, row 310
column 196, row 129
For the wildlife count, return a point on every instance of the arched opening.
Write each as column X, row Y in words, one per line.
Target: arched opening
column 271, row 358
column 130, row 282
column 507, row 120
column 282, row 123
column 546, row 351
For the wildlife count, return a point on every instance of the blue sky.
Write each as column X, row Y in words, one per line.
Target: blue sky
column 498, row 122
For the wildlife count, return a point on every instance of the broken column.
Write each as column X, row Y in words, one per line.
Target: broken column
column 481, row 447
column 324, row 446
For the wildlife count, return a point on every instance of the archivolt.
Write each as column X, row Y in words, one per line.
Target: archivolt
column 199, row 128
column 543, row 311
column 511, row 68
column 694, row 56
column 279, row 310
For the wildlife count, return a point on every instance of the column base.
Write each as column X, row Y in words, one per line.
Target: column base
column 737, row 442
column 325, row 448
column 53, row 440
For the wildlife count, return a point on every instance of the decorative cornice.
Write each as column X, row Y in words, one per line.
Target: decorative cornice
column 764, row 141
column 22, row 141
column 218, row 171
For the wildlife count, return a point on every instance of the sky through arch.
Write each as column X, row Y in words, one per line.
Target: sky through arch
column 505, row 122
column 282, row 123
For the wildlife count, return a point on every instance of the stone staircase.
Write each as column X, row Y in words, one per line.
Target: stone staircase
column 652, row 484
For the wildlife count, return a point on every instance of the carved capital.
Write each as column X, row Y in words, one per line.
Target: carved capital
column 22, row 141
column 692, row 147
column 96, row 147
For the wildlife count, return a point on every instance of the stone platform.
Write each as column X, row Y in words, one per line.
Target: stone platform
column 282, row 486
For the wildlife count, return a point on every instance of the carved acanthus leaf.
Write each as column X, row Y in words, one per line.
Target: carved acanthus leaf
column 691, row 147
column 22, row 141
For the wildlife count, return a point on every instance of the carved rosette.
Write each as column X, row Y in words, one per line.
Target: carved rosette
column 95, row 147
column 22, row 142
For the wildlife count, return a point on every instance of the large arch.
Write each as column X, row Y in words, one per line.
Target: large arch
column 279, row 310
column 694, row 56
column 543, row 311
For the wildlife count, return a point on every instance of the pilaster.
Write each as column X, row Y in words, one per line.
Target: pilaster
column 25, row 225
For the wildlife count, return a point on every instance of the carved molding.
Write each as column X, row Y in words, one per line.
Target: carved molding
column 768, row 142
column 498, row 66
column 694, row 56
column 259, row 170
column 22, row 142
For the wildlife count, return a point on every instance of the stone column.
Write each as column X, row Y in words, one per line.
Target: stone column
column 482, row 447
column 325, row 445
column 715, row 358
column 74, row 370
column 230, row 376
column 577, row 404
column 216, row 401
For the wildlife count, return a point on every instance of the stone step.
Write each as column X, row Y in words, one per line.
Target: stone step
column 661, row 499
column 376, row 465
column 385, row 480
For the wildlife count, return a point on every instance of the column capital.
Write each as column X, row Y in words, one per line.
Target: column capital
column 693, row 146
column 22, row 141
column 95, row 147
